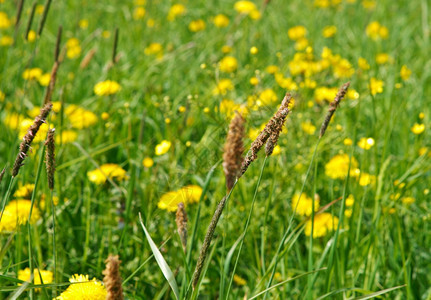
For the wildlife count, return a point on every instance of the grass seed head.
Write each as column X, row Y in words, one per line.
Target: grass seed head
column 181, row 220
column 112, row 279
column 50, row 158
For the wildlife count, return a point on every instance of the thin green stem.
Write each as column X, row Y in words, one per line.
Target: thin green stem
column 247, row 223
column 54, row 252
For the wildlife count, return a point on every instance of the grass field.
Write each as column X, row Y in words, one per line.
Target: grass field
column 141, row 95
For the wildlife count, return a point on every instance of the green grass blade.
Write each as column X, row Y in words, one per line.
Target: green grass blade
column 167, row 272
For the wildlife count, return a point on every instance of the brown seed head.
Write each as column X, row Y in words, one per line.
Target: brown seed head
column 50, row 157
column 29, row 137
column 181, row 220
column 233, row 149
column 333, row 107
column 112, row 279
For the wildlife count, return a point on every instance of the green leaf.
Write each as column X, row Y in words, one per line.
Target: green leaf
column 163, row 265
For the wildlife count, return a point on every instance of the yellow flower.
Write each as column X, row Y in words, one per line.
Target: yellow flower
column 39, row 9
column 47, row 276
column 277, row 150
column 366, row 143
column 325, row 94
column 376, row 86
column 272, row 69
column 44, row 79
column 239, row 280
column 228, row 64
column 148, row 162
column 13, row 120
column 382, row 58
column 73, row 48
column 322, row 3
column 304, row 205
column 83, row 24
column 187, row 195
column 6, row 40
column 197, row 25
column 408, row 200
column 343, row 68
column 67, row 136
column 83, row 288
column 138, row 13
column 5, row 22
column 245, row 7
column 377, row 31
column 366, row 179
column 30, row 74
column 323, row 223
column 308, row 127
column 163, row 147
column 369, row 4
column 154, row 49
column 301, row 44
column 338, row 166
column 363, row 64
column 350, row 200
column 222, row 87
column 254, row 50
column 25, row 125
column 254, row 81
column 175, row 11
column 2, row 96
column 418, row 128
column 347, row 142
column 329, row 31
column 266, row 97
column 105, row 171
column 221, row 21
column 24, row 192
column 80, row 118
column 31, row 36
column 405, row 72
column 16, row 213
column 297, row 32
column 105, row 88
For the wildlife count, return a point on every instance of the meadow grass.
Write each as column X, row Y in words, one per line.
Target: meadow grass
column 143, row 98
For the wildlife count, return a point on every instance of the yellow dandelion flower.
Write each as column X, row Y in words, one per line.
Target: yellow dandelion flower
column 418, row 128
column 163, row 147
column 16, row 213
column 188, row 195
column 277, row 150
column 153, row 49
column 254, row 81
column 308, row 127
column 329, row 31
column 228, row 64
column 139, row 13
column 405, row 73
column 25, row 125
column 297, row 32
column 223, row 86
column 245, row 7
column 105, row 171
column 348, row 142
column 31, row 74
column 408, row 200
column 80, row 118
column 31, row 36
column 175, row 11
column 5, row 22
column 83, row 24
column 323, row 223
column 221, row 21
column 254, row 50
column 44, row 79
column 382, row 58
column 363, row 64
column 148, row 162
column 83, row 288
column 197, row 25
column 67, row 136
column 47, row 276
column 366, row 179
column 376, row 86
column 272, row 69
column 324, row 94
column 304, row 205
column 105, row 88
column 13, row 120
column 73, row 48
column 6, row 40
column 350, row 200
column 25, row 191
column 338, row 166
column 343, row 69
column 377, row 31
column 366, row 143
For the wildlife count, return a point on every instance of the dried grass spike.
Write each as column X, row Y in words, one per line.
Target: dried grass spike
column 50, row 158
column 44, row 16
column 29, row 137
column 333, row 107
column 112, row 279
column 2, row 174
column 273, row 127
column 87, row 59
column 233, row 149
column 181, row 220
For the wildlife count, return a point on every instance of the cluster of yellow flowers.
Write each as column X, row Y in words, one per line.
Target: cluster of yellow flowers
column 73, row 47
column 247, row 8
column 38, row 75
column 139, row 10
column 323, row 223
column 106, row 88
column 47, row 276
column 105, row 171
column 338, row 166
column 175, row 11
column 377, row 31
column 188, row 195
